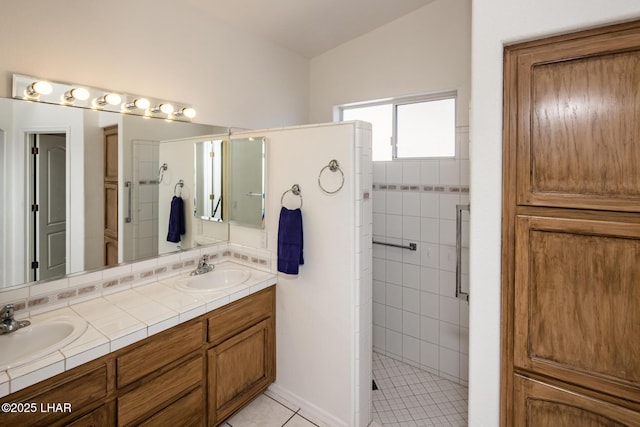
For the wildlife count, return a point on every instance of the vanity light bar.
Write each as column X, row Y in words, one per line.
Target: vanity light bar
column 31, row 88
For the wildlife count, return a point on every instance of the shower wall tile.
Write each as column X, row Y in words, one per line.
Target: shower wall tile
column 416, row 317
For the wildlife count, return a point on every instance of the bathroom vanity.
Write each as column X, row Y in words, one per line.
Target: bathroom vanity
column 195, row 373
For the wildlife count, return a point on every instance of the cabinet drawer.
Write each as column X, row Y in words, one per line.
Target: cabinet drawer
column 158, row 351
column 151, row 396
column 78, row 390
column 237, row 316
column 188, row 411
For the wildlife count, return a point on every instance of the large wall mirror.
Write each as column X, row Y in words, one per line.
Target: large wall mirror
column 247, row 181
column 85, row 189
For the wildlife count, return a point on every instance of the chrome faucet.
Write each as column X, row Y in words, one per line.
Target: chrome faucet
column 203, row 266
column 9, row 324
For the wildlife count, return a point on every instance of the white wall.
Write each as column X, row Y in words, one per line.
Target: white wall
column 324, row 313
column 495, row 23
column 160, row 48
column 425, row 51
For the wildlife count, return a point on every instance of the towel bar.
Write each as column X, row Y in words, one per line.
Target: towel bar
column 459, row 293
column 410, row 246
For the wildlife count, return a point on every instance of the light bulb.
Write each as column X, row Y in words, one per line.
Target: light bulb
column 79, row 93
column 109, row 98
column 142, row 103
column 189, row 112
column 163, row 108
column 166, row 108
column 112, row 99
column 39, row 88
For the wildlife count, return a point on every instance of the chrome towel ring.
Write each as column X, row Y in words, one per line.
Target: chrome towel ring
column 333, row 166
column 295, row 190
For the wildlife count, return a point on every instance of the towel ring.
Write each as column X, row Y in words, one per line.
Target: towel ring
column 332, row 166
column 178, row 184
column 295, row 190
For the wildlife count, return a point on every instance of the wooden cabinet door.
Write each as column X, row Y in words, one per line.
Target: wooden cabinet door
column 239, row 369
column 110, row 189
column 577, row 302
column 577, row 123
column 571, row 229
column 539, row 404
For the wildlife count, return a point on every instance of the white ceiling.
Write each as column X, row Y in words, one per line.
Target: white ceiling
column 308, row 27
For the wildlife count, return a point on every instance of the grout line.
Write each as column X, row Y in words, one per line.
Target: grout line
column 290, row 418
column 280, row 403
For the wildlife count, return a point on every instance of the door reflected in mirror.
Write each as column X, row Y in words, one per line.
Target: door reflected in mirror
column 209, row 167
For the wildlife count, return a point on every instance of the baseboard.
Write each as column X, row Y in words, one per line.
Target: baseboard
column 307, row 409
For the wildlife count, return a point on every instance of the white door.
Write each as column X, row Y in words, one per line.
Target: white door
column 50, row 199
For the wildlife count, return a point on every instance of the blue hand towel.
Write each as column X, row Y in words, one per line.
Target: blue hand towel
column 176, row 220
column 290, row 241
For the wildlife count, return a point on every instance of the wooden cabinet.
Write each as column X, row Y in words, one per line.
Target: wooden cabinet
column 83, row 388
column 194, row 374
column 242, row 361
column 571, row 230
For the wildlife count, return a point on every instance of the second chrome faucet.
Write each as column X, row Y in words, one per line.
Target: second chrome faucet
column 203, row 266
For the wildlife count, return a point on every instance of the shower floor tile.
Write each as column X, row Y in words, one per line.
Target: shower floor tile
column 409, row 396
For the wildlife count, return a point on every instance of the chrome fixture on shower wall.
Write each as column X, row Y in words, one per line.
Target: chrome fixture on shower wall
column 34, row 89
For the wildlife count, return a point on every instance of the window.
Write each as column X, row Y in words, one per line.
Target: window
column 406, row 128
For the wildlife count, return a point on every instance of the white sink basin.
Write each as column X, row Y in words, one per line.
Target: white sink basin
column 38, row 340
column 222, row 277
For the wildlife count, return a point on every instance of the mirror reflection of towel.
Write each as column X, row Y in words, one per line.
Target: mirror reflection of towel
column 290, row 255
column 176, row 220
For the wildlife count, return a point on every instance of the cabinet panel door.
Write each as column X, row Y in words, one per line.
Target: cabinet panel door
column 240, row 368
column 539, row 404
column 577, row 302
column 579, row 127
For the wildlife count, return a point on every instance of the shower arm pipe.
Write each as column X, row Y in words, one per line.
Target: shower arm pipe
column 459, row 293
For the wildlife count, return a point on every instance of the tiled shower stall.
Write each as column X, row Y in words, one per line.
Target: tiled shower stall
column 416, row 317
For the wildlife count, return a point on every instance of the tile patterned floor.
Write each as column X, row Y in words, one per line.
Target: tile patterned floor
column 409, row 397
column 269, row 410
column 406, row 397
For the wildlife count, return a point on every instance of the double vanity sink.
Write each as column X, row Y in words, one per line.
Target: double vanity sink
column 50, row 333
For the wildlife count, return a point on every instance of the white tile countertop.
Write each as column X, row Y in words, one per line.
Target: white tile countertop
column 119, row 319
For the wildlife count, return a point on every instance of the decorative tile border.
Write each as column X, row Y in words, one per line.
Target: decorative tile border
column 423, row 188
column 35, row 301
